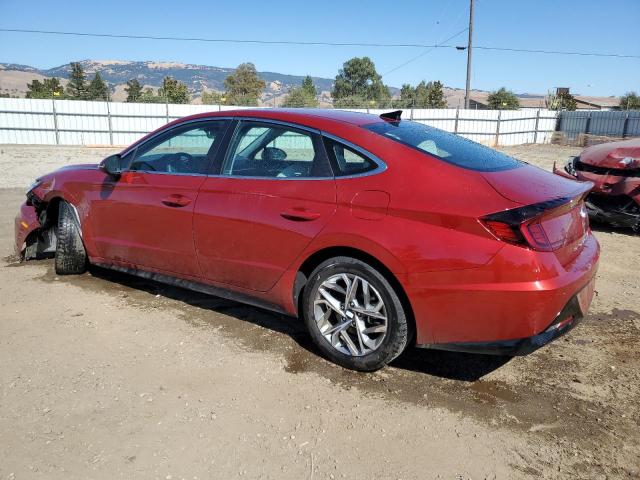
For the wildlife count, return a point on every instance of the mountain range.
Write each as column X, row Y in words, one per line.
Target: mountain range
column 117, row 73
column 14, row 78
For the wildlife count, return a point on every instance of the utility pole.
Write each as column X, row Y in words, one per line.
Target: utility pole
column 469, row 48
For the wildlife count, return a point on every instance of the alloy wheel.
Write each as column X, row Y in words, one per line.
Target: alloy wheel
column 350, row 314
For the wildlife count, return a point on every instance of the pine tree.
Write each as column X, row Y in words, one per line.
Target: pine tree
column 407, row 96
column 48, row 88
column 303, row 96
column 77, row 87
column 98, row 89
column 308, row 87
column 424, row 95
column 134, row 90
column 435, row 95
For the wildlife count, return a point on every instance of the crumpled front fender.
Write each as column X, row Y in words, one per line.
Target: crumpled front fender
column 25, row 223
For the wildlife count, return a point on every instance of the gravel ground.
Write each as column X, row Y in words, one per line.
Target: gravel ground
column 21, row 165
column 107, row 376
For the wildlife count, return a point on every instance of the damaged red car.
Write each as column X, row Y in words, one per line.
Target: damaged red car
column 614, row 169
column 379, row 233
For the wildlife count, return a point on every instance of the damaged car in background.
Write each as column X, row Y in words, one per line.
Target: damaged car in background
column 614, row 169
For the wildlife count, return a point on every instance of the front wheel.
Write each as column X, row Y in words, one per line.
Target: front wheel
column 354, row 315
column 71, row 257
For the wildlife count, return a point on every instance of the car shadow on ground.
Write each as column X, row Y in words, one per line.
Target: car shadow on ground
column 450, row 365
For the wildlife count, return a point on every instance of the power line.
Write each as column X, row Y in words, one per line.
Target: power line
column 453, row 25
column 225, row 40
column 328, row 44
column 556, row 52
column 438, row 43
column 413, row 59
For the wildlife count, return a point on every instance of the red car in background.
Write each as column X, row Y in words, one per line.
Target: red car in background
column 378, row 232
column 614, row 169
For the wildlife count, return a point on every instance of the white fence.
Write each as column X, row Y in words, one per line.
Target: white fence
column 71, row 122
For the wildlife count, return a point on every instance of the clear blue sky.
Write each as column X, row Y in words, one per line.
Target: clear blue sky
column 579, row 25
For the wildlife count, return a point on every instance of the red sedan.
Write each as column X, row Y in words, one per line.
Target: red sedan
column 379, row 232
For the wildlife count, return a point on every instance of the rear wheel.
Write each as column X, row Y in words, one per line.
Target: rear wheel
column 71, row 257
column 354, row 315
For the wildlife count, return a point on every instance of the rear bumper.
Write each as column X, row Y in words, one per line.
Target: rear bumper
column 25, row 223
column 505, row 306
column 567, row 319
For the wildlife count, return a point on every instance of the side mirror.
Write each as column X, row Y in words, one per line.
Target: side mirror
column 112, row 165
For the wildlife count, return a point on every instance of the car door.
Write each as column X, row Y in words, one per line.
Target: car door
column 144, row 218
column 273, row 194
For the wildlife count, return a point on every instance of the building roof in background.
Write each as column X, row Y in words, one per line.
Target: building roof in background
column 600, row 102
column 480, row 99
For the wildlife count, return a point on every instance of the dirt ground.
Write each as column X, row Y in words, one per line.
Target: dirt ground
column 106, row 376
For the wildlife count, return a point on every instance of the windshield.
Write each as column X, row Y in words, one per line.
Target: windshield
column 445, row 146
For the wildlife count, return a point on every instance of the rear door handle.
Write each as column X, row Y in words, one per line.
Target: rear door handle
column 176, row 201
column 300, row 215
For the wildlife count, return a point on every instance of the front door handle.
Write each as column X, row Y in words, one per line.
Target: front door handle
column 300, row 215
column 176, row 201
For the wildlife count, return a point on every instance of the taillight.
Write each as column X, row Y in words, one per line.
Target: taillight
column 544, row 226
column 537, row 237
column 504, row 231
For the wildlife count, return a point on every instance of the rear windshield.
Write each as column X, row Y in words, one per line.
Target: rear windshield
column 445, row 146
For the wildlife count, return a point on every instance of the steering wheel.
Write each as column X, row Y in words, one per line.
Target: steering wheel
column 180, row 162
column 144, row 166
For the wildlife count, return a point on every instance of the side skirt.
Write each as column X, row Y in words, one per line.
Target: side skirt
column 197, row 287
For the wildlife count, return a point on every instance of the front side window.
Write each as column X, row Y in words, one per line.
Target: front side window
column 186, row 150
column 274, row 151
column 445, row 146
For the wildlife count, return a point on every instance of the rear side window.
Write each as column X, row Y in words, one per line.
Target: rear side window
column 346, row 160
column 275, row 151
column 445, row 146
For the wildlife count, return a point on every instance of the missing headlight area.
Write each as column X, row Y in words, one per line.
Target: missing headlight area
column 41, row 242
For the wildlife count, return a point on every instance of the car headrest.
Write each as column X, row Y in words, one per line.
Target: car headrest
column 273, row 154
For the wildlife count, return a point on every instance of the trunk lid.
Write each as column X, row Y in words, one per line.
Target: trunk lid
column 553, row 216
column 528, row 184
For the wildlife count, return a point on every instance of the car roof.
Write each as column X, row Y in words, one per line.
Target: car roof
column 303, row 116
column 310, row 117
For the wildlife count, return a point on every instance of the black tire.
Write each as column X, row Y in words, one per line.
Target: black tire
column 71, row 257
column 397, row 333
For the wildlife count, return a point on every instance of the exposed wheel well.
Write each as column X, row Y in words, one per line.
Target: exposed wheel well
column 320, row 256
column 51, row 211
column 42, row 241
